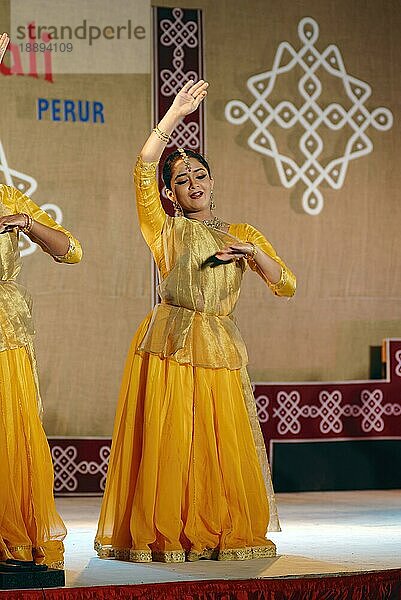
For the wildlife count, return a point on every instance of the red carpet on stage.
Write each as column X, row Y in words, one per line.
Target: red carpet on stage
column 384, row 585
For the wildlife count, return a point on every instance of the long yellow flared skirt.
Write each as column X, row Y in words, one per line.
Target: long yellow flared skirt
column 184, row 481
column 30, row 528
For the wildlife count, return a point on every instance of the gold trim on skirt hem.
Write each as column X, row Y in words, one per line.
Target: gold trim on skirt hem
column 122, row 553
column 28, row 552
column 140, row 556
column 247, row 553
column 169, row 556
column 206, row 553
column 264, row 551
column 178, row 556
column 21, row 547
column 59, row 565
column 103, row 551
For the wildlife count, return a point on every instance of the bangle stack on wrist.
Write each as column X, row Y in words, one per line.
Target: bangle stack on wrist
column 28, row 223
column 164, row 137
column 254, row 251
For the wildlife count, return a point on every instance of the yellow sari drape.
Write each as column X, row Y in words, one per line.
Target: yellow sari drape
column 188, row 470
column 30, row 528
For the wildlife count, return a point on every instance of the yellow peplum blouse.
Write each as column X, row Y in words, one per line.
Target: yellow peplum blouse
column 30, row 528
column 188, row 476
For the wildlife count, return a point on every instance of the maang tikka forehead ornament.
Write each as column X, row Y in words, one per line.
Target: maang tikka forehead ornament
column 185, row 159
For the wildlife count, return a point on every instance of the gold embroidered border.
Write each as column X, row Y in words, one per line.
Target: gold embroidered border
column 122, row 553
column 59, row 565
column 235, row 554
column 144, row 172
column 140, row 556
column 103, row 551
column 207, row 553
column 146, row 167
column 178, row 556
column 106, row 553
column 248, row 553
column 70, row 252
column 169, row 556
column 17, row 548
column 275, row 287
column 264, row 551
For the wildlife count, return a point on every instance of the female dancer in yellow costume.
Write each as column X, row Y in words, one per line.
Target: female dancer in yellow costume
column 188, row 475
column 30, row 528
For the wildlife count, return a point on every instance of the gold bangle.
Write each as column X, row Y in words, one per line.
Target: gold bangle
column 253, row 253
column 28, row 223
column 164, row 137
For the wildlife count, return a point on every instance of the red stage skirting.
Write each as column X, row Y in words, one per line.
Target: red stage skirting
column 383, row 585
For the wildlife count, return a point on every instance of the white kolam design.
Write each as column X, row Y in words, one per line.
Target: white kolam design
column 262, row 405
column 306, row 109
column 67, row 468
column 27, row 185
column 179, row 34
column 398, row 365
column 331, row 411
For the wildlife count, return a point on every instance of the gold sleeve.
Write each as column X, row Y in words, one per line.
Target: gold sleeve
column 286, row 285
column 23, row 204
column 151, row 213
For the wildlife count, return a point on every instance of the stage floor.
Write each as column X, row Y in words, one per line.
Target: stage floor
column 323, row 533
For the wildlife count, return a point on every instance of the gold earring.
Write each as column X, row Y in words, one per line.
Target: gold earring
column 212, row 204
column 178, row 212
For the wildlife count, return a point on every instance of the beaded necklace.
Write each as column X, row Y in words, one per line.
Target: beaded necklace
column 215, row 223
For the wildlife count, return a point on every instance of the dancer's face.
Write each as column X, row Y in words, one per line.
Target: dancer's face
column 191, row 187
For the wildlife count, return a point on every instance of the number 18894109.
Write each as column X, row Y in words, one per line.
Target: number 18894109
column 46, row 47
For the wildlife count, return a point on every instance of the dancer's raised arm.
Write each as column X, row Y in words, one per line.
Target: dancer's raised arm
column 150, row 210
column 4, row 41
column 186, row 101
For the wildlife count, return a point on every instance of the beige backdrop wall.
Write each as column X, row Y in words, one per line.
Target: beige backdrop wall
column 346, row 258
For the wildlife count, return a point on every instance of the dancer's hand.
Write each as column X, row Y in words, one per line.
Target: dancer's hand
column 186, row 101
column 10, row 222
column 270, row 268
column 4, row 41
column 189, row 97
column 235, row 252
